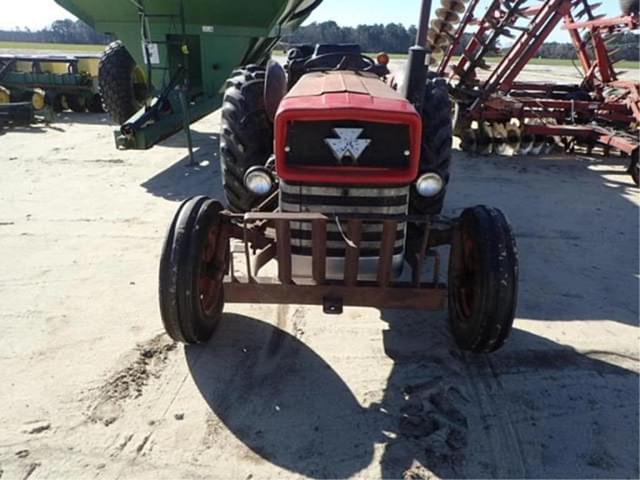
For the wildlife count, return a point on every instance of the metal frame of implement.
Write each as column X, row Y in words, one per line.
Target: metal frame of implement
column 540, row 109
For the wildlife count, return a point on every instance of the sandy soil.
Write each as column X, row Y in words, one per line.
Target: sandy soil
column 92, row 389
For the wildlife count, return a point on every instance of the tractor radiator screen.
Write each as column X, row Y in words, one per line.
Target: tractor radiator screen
column 348, row 144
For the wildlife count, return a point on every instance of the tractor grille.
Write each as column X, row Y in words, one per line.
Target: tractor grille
column 336, row 200
column 307, row 144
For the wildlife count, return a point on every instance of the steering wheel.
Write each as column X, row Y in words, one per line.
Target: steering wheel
column 346, row 61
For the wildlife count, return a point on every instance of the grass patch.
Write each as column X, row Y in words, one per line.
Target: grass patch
column 58, row 47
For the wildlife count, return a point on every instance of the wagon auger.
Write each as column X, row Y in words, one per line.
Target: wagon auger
column 497, row 114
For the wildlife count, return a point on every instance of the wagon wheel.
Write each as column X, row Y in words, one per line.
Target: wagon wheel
column 192, row 268
column 483, row 280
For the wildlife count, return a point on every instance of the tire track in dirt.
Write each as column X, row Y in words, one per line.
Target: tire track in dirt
column 434, row 422
column 147, row 361
column 503, row 441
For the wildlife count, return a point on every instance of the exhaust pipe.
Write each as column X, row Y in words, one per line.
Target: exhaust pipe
column 417, row 66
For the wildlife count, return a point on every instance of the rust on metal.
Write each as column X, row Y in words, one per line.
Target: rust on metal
column 283, row 246
column 417, row 262
column 385, row 261
column 402, row 296
column 263, row 257
column 319, row 250
column 268, row 236
column 352, row 257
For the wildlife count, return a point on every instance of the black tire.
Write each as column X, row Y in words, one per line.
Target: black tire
column 188, row 315
column 483, row 280
column 77, row 103
column 246, row 139
column 630, row 7
column 94, row 105
column 56, row 101
column 122, row 94
column 437, row 139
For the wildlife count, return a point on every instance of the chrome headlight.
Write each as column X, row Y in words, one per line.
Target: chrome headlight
column 430, row 185
column 258, row 181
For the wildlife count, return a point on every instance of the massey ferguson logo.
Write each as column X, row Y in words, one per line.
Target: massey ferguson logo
column 348, row 145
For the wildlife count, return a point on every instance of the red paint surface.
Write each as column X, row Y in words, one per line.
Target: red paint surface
column 347, row 106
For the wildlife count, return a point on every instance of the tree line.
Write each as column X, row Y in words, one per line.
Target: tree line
column 392, row 38
column 60, row 31
column 396, row 38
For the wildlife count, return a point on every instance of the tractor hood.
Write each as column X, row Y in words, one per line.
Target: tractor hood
column 341, row 127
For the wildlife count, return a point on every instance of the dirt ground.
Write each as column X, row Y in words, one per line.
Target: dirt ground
column 91, row 388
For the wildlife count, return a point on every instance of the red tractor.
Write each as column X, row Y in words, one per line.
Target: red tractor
column 339, row 180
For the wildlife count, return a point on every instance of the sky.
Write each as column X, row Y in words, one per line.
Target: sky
column 36, row 14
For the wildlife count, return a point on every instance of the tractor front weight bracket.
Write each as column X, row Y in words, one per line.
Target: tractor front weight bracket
column 263, row 237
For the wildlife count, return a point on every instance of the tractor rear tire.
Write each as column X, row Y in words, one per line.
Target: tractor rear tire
column 192, row 269
column 437, row 139
column 483, row 280
column 246, row 138
column 123, row 92
column 630, row 7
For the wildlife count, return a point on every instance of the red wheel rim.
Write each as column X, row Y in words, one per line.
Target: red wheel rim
column 468, row 277
column 208, row 281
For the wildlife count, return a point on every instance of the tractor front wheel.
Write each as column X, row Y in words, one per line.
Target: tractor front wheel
column 483, row 280
column 192, row 268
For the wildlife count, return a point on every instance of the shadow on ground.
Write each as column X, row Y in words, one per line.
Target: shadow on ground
column 577, row 231
column 537, row 410
column 183, row 180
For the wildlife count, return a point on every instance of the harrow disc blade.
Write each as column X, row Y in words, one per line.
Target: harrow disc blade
column 485, row 139
column 514, row 139
column 456, row 6
column 469, row 142
column 439, row 42
column 527, row 143
column 439, row 37
column 447, row 16
column 550, row 146
column 539, row 143
column 612, row 39
column 499, row 138
column 441, row 26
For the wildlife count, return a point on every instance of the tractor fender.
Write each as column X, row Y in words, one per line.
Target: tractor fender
column 275, row 88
